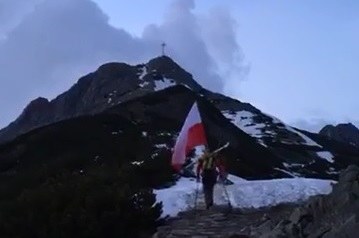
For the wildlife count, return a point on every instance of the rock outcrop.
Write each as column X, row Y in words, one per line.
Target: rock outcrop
column 331, row 216
column 347, row 133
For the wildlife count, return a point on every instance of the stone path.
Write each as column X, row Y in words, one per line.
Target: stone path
column 217, row 222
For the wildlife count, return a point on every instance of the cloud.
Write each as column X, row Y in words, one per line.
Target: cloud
column 314, row 125
column 220, row 29
column 182, row 32
column 48, row 44
column 12, row 12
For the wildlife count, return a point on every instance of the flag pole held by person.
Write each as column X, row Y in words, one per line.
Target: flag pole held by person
column 191, row 135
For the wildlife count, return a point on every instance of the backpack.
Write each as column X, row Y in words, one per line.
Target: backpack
column 209, row 163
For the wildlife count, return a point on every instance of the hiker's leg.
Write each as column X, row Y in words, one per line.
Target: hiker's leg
column 206, row 191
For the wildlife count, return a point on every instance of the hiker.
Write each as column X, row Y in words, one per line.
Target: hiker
column 208, row 164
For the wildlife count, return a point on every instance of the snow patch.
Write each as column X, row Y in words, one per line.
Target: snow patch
column 265, row 193
column 154, row 155
column 287, row 172
column 326, row 155
column 164, row 134
column 186, row 86
column 332, row 171
column 293, row 165
column 307, row 140
column 143, row 73
column 177, row 198
column 137, row 163
column 243, row 193
column 274, row 119
column 159, row 146
column 163, row 83
column 116, row 132
column 244, row 121
column 143, row 84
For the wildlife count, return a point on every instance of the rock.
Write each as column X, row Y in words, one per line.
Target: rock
column 238, row 236
column 349, row 229
column 278, row 231
column 298, row 215
column 350, row 174
column 264, row 228
column 347, row 133
column 355, row 188
column 323, row 216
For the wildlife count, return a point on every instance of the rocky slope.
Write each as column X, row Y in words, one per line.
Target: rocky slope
column 334, row 215
column 347, row 133
column 324, row 216
column 110, row 85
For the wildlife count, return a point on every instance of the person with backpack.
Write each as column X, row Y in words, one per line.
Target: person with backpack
column 207, row 167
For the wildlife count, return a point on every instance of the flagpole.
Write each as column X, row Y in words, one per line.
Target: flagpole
column 204, row 125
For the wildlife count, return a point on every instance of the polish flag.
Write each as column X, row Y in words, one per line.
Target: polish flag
column 191, row 135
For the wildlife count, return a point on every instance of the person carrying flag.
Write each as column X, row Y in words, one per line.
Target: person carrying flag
column 210, row 166
column 191, row 135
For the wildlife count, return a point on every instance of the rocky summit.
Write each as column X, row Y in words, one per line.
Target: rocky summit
column 346, row 133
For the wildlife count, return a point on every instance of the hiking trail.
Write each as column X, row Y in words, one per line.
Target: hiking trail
column 218, row 221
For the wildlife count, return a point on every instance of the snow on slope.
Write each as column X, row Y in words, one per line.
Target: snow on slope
column 143, row 72
column 245, row 121
column 243, row 193
column 163, row 83
column 326, row 155
column 307, row 140
column 177, row 198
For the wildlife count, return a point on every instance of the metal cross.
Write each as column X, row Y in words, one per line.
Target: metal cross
column 163, row 48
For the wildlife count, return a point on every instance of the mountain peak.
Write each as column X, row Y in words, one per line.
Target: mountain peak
column 37, row 104
column 165, row 65
column 164, row 59
column 344, row 132
column 349, row 126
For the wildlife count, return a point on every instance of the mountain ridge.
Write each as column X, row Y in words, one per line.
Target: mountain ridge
column 147, row 93
column 110, row 84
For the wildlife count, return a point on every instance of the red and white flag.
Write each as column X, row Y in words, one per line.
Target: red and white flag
column 191, row 135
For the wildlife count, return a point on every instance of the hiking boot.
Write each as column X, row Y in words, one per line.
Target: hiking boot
column 209, row 205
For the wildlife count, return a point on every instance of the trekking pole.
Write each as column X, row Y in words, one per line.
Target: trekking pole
column 195, row 204
column 227, row 195
column 196, row 196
